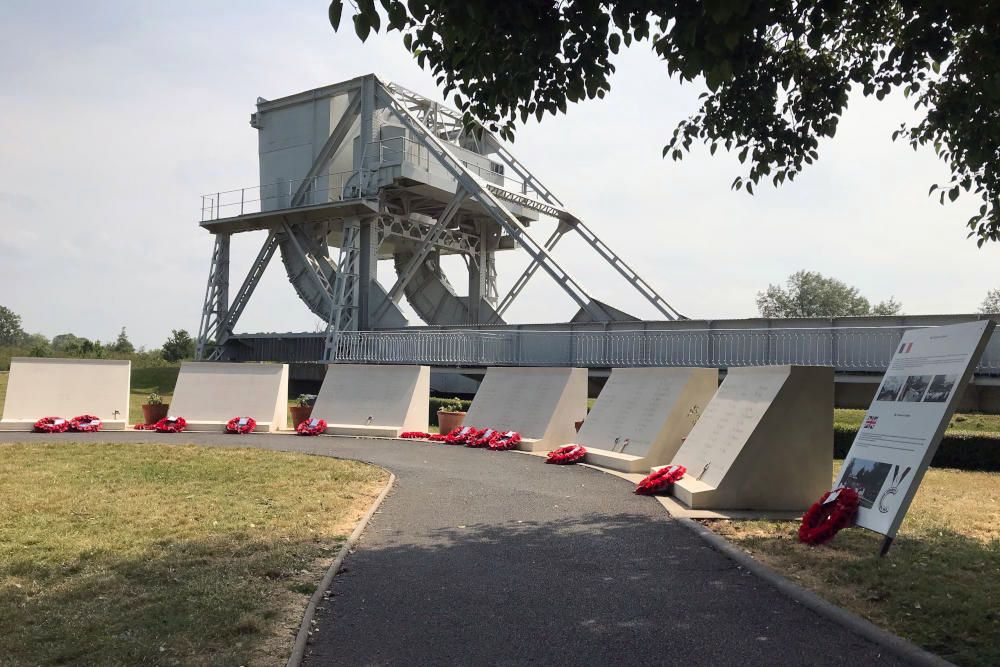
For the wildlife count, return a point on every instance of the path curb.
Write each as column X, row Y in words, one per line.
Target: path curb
column 900, row 647
column 302, row 638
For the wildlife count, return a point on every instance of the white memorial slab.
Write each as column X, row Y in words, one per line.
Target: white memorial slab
column 542, row 404
column 765, row 442
column 375, row 400
column 209, row 394
column 642, row 415
column 67, row 388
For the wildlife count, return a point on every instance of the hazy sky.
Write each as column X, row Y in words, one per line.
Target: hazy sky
column 117, row 116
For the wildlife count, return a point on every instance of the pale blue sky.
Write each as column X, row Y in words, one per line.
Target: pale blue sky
column 117, row 116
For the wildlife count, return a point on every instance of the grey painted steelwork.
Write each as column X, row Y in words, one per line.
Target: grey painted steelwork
column 849, row 347
column 383, row 173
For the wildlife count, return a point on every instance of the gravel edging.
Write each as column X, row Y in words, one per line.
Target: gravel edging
column 302, row 638
column 902, row 648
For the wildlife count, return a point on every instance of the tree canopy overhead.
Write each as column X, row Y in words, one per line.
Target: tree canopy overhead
column 778, row 73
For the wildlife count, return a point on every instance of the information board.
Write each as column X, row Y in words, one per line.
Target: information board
column 907, row 418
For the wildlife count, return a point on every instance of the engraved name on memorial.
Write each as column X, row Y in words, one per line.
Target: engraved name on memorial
column 630, row 412
column 728, row 422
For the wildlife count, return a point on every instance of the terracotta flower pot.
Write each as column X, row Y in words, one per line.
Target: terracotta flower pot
column 154, row 413
column 449, row 421
column 300, row 414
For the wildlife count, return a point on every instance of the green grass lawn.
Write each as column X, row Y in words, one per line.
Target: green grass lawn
column 143, row 554
column 939, row 584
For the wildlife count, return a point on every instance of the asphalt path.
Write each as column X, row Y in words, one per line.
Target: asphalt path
column 480, row 557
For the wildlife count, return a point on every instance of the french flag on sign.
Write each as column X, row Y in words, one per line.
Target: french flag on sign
column 905, row 347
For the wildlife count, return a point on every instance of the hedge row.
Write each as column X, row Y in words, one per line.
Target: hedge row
column 965, row 451
column 436, row 404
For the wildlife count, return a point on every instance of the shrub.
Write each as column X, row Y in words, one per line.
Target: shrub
column 964, row 451
column 451, row 403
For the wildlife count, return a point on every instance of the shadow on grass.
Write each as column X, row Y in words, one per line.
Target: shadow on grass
column 195, row 602
column 938, row 588
column 595, row 589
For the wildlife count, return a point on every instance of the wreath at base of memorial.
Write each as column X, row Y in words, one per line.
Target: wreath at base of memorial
column 51, row 425
column 311, row 427
column 481, row 439
column 827, row 516
column 170, row 425
column 437, row 437
column 414, row 435
column 504, row 441
column 566, row 455
column 460, row 436
column 241, row 425
column 85, row 424
column 145, row 427
column 659, row 480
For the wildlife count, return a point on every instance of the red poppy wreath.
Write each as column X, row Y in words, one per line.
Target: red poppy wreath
column 51, row 425
column 659, row 480
column 481, row 439
column 170, row 425
column 566, row 455
column 85, row 424
column 311, row 427
column 504, row 441
column 241, row 425
column 827, row 516
column 414, row 435
column 460, row 436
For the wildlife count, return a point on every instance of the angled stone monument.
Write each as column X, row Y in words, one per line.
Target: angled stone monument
column 208, row 394
column 374, row 400
column 765, row 442
column 542, row 404
column 642, row 415
column 67, row 388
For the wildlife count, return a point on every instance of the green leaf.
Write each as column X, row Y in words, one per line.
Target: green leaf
column 334, row 13
column 361, row 26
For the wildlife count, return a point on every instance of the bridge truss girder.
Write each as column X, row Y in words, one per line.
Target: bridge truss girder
column 346, row 294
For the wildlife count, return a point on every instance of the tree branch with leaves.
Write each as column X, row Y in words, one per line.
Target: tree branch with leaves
column 778, row 74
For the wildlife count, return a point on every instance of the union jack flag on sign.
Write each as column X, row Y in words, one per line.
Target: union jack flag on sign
column 870, row 422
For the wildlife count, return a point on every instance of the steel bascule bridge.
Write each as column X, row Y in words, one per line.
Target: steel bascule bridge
column 365, row 171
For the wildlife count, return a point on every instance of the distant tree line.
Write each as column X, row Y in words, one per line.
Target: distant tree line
column 811, row 294
column 15, row 341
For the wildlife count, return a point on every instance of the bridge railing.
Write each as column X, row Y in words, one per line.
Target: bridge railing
column 846, row 349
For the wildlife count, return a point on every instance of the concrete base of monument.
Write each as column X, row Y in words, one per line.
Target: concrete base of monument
column 679, row 510
column 204, row 426
column 536, row 445
column 695, row 495
column 361, row 430
column 29, row 425
column 604, row 458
